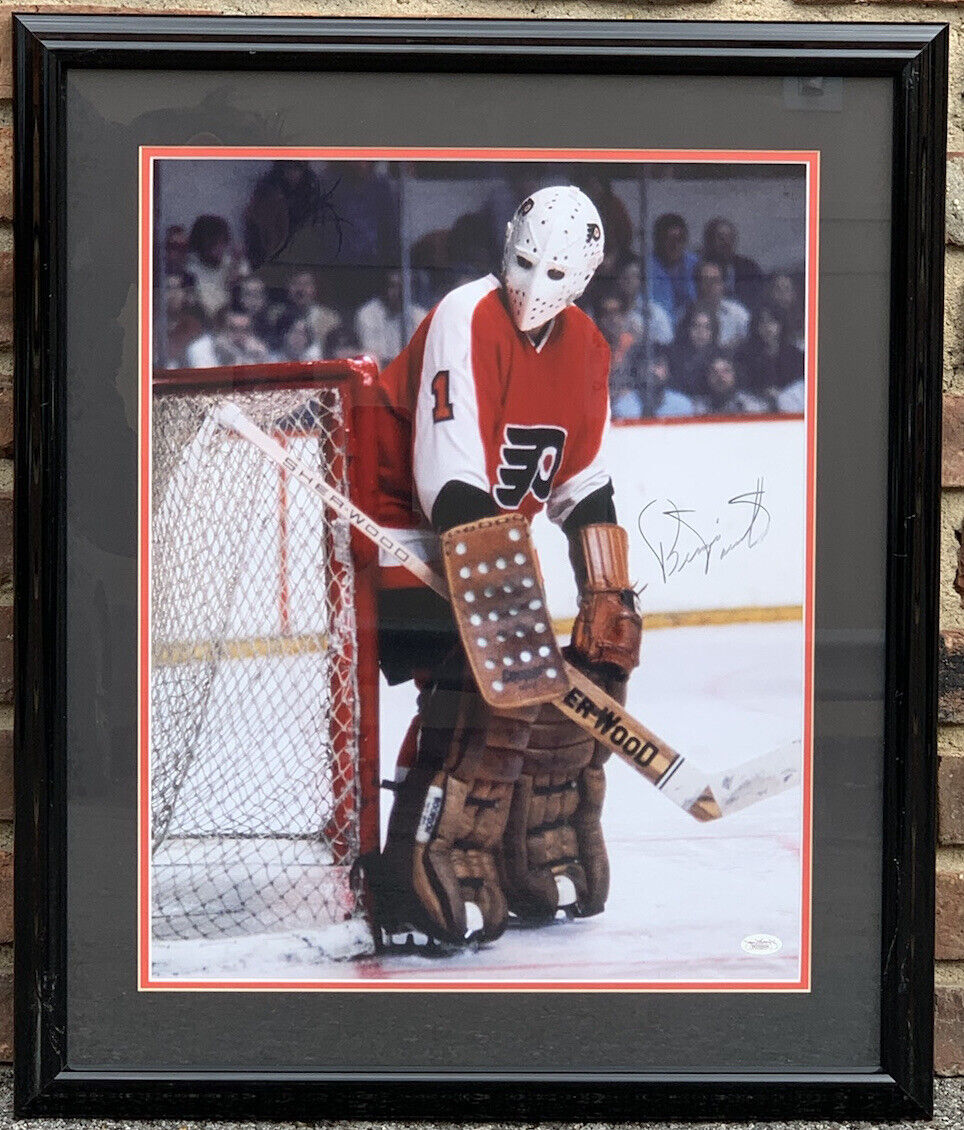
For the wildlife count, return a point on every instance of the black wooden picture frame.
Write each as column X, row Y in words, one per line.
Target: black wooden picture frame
column 913, row 58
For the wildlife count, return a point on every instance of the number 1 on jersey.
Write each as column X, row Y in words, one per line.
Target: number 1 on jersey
column 440, row 390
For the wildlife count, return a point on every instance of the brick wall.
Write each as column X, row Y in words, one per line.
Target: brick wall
column 950, row 879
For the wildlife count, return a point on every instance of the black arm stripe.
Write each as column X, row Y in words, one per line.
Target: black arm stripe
column 458, row 503
column 593, row 509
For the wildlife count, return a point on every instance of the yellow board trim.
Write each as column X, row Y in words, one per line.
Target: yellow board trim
column 704, row 617
column 204, row 651
column 164, row 655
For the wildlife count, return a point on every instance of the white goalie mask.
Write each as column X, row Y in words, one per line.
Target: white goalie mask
column 553, row 244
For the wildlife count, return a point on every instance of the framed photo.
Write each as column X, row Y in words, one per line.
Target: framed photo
column 477, row 504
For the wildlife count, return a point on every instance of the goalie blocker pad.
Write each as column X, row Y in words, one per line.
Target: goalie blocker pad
column 499, row 602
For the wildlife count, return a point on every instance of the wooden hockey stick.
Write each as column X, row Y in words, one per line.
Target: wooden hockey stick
column 703, row 796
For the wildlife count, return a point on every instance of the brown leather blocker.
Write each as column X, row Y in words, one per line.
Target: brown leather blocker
column 499, row 602
column 605, row 548
column 608, row 626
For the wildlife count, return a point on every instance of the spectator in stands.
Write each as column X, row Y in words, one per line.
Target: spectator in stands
column 380, row 325
column 232, row 343
column 648, row 392
column 297, row 338
column 697, row 342
column 465, row 246
column 429, row 262
column 793, row 398
column 519, row 179
column 612, row 323
column 364, row 201
column 341, row 342
column 301, row 301
column 722, row 395
column 769, row 363
column 444, row 258
column 644, row 317
column 783, row 295
column 364, row 233
column 742, row 277
column 213, row 262
column 612, row 211
column 287, row 198
column 732, row 317
column 672, row 266
column 467, row 253
column 175, row 250
column 183, row 323
column 250, row 296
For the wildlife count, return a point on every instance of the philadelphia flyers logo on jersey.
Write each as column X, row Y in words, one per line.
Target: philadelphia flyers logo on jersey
column 528, row 461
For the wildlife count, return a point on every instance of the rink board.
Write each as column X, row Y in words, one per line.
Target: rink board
column 715, row 514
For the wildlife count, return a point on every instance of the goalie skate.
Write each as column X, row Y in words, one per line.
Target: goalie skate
column 396, row 937
column 392, row 930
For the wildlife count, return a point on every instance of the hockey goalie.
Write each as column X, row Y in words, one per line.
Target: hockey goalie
column 498, row 407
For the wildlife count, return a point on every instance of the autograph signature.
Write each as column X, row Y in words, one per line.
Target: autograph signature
column 684, row 544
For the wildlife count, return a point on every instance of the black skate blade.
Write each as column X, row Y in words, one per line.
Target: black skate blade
column 562, row 915
column 408, row 941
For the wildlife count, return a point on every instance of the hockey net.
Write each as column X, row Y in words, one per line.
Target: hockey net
column 263, row 773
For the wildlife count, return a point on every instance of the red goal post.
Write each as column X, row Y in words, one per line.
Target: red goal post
column 263, row 627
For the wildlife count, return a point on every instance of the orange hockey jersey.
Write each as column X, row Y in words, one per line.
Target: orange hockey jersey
column 472, row 398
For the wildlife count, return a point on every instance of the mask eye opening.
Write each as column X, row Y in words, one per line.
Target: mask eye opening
column 555, row 274
column 523, row 262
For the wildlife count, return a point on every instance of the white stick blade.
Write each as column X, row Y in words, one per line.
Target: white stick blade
column 760, row 778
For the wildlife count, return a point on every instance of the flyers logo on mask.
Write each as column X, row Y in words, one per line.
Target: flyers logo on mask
column 529, row 458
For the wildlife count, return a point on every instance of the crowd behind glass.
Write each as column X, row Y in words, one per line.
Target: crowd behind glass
column 695, row 327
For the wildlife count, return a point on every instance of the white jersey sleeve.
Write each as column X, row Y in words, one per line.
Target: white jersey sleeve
column 447, row 441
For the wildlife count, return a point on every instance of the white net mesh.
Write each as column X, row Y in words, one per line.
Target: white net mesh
column 254, row 698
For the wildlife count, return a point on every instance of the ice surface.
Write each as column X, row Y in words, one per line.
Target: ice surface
column 684, row 895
